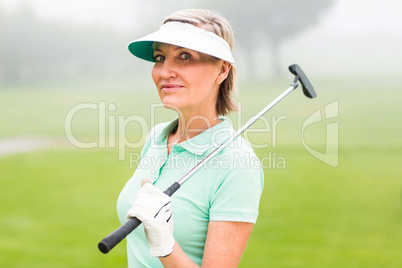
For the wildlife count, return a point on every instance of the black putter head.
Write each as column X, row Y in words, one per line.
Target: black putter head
column 306, row 85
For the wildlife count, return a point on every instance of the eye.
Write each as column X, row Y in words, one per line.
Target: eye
column 159, row 58
column 184, row 56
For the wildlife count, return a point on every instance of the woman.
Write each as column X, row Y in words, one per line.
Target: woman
column 213, row 213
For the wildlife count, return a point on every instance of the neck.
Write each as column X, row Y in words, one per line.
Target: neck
column 190, row 125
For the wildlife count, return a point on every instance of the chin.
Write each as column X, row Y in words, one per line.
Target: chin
column 172, row 104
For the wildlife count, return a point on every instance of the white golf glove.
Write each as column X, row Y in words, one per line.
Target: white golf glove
column 153, row 208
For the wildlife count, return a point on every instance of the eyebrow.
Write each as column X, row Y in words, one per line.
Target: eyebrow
column 176, row 48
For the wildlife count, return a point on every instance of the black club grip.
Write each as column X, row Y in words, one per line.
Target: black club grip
column 110, row 241
column 117, row 235
column 172, row 189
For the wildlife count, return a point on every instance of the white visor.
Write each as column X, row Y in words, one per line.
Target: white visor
column 183, row 35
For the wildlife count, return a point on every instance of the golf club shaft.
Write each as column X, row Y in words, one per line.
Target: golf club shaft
column 237, row 134
column 120, row 233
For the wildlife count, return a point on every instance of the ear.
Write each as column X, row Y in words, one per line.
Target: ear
column 223, row 72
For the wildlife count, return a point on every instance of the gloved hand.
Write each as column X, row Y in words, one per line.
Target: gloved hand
column 153, row 208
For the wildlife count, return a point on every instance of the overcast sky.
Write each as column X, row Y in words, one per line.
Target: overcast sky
column 365, row 34
column 346, row 16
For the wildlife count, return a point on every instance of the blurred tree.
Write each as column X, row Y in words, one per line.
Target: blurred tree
column 2, row 35
column 32, row 49
column 151, row 13
column 256, row 22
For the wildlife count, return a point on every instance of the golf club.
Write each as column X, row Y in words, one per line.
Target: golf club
column 120, row 233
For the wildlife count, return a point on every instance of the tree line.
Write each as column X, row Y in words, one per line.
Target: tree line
column 34, row 49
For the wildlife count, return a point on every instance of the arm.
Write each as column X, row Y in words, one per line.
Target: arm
column 225, row 243
column 224, row 246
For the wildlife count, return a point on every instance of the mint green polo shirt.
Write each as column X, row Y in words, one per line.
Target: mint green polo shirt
column 228, row 188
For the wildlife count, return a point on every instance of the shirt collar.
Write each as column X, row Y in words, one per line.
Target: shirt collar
column 201, row 143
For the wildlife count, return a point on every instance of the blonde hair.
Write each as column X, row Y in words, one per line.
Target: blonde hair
column 214, row 22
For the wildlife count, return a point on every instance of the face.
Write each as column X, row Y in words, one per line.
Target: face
column 186, row 79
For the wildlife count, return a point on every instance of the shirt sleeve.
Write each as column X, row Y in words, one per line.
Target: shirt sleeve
column 238, row 193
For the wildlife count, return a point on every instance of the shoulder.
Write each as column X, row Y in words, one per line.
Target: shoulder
column 240, row 150
column 237, row 150
column 238, row 187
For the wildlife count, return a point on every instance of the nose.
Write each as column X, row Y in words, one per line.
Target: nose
column 167, row 69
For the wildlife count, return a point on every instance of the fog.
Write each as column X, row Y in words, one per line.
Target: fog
column 76, row 108
column 347, row 38
column 353, row 37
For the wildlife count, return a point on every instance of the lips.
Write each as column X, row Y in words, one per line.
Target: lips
column 170, row 87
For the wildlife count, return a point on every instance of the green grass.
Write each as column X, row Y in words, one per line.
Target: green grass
column 313, row 215
column 57, row 203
